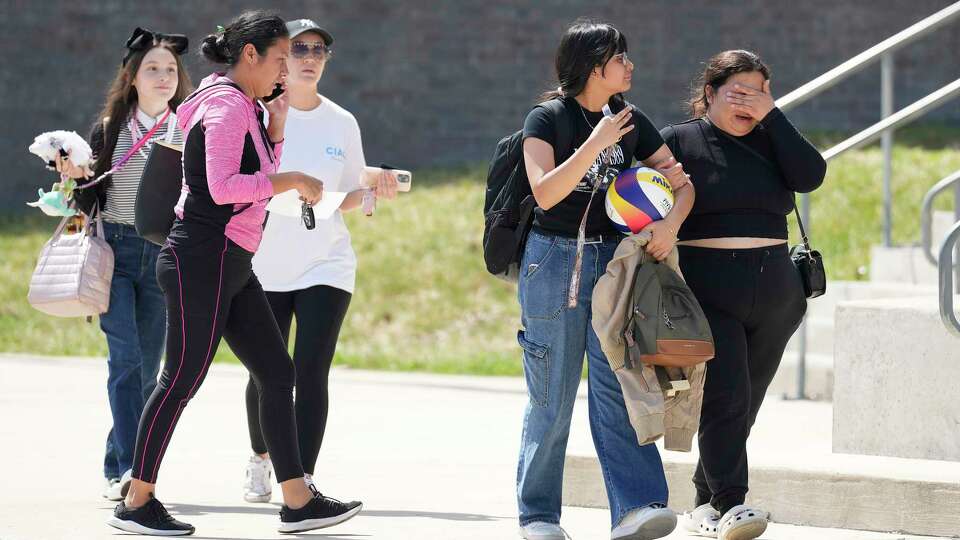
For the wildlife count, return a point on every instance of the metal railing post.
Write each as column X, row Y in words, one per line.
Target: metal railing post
column 947, row 314
column 956, row 219
column 886, row 109
column 927, row 211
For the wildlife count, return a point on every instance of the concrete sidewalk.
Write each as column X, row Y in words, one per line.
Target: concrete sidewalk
column 432, row 457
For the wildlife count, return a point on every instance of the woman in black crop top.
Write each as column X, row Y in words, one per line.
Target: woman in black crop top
column 568, row 142
column 748, row 161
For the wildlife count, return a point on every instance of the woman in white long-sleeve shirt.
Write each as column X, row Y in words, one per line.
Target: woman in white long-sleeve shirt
column 310, row 274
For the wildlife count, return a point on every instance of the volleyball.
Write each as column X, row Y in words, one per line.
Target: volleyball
column 638, row 197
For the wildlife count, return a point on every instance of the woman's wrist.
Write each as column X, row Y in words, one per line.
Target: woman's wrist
column 593, row 147
column 771, row 115
column 672, row 226
column 275, row 130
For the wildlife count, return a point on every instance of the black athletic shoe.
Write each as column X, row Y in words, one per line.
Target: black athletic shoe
column 320, row 512
column 151, row 518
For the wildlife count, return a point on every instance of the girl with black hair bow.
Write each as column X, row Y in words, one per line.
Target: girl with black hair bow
column 149, row 84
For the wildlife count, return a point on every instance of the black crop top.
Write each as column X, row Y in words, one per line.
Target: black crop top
column 738, row 195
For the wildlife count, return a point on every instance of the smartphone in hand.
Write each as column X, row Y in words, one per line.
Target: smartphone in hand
column 278, row 91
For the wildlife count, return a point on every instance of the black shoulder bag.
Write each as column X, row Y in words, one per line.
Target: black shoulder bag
column 809, row 262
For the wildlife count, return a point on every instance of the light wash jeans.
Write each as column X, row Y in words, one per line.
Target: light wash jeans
column 554, row 341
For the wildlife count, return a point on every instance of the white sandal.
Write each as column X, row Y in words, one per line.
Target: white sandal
column 702, row 521
column 742, row 522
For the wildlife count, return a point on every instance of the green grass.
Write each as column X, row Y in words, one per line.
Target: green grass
column 424, row 300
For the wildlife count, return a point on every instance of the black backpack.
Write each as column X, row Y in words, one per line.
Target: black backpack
column 509, row 203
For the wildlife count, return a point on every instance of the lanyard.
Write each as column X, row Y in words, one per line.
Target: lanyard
column 135, row 130
column 123, row 161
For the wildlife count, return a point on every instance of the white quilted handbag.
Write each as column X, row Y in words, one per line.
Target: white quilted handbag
column 73, row 274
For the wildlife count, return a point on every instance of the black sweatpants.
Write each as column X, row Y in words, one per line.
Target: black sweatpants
column 320, row 311
column 211, row 292
column 754, row 301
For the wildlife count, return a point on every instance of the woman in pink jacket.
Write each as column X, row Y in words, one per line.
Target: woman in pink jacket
column 230, row 173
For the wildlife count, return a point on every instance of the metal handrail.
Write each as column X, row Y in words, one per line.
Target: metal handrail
column 926, row 214
column 898, row 119
column 884, row 129
column 947, row 314
column 869, row 56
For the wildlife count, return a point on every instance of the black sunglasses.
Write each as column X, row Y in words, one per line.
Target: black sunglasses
column 300, row 49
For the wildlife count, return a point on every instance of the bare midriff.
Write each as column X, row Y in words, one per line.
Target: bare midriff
column 732, row 243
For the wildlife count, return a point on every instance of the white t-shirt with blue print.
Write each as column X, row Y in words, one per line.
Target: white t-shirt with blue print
column 324, row 143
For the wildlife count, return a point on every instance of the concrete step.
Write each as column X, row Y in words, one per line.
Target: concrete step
column 907, row 264
column 821, row 311
column 841, row 291
column 842, row 496
column 819, row 336
column 795, row 475
column 818, row 377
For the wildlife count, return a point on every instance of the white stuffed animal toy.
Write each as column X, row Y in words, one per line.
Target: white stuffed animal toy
column 65, row 144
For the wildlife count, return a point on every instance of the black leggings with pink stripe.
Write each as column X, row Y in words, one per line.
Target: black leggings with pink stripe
column 211, row 292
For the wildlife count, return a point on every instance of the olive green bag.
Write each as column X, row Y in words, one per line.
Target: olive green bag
column 665, row 325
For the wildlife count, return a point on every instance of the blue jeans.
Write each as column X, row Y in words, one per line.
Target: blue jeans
column 554, row 341
column 135, row 327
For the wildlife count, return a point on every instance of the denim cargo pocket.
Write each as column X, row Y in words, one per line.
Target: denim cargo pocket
column 543, row 278
column 536, row 369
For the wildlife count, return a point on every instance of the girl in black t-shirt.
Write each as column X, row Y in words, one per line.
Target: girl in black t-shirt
column 569, row 147
column 749, row 161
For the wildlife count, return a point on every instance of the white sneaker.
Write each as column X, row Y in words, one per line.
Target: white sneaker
column 258, row 487
column 702, row 520
column 541, row 530
column 108, row 485
column 647, row 523
column 118, row 489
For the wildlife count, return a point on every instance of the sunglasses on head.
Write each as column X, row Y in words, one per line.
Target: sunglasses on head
column 301, row 49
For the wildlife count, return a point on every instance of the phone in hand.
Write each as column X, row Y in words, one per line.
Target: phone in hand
column 404, row 180
column 278, row 91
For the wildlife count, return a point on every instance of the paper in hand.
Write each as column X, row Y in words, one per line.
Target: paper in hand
column 288, row 203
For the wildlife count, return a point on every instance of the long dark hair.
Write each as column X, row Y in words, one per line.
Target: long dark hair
column 259, row 28
column 717, row 70
column 584, row 46
column 121, row 100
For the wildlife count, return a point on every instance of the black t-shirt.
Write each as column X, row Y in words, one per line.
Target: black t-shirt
column 564, row 217
column 738, row 195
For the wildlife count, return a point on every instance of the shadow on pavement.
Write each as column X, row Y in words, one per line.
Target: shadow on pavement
column 272, row 509
column 452, row 516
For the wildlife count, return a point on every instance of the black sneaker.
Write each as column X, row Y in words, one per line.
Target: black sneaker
column 320, row 512
column 151, row 518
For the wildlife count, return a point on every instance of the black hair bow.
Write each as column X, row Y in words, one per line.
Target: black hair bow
column 144, row 39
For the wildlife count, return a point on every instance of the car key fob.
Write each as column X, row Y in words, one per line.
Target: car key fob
column 306, row 213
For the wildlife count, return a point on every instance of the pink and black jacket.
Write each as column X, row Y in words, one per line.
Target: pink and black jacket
column 227, row 156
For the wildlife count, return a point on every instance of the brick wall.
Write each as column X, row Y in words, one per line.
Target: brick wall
column 438, row 82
